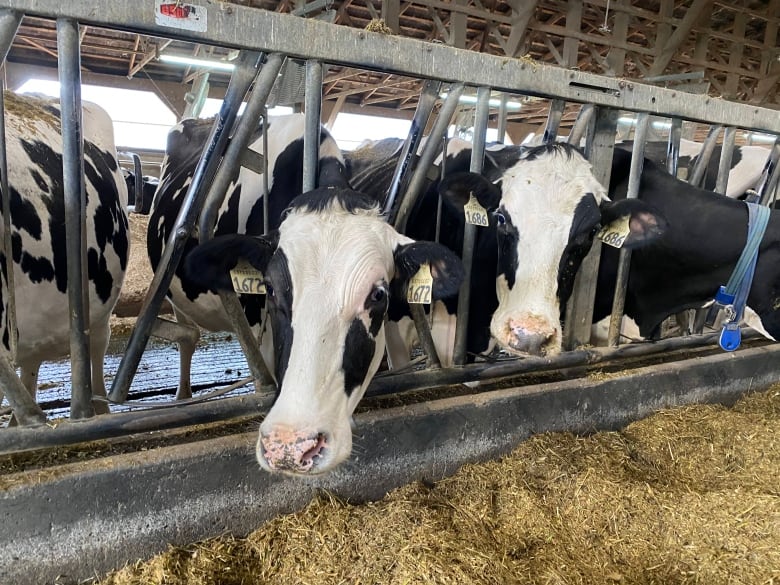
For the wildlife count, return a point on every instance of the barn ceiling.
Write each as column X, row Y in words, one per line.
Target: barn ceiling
column 728, row 49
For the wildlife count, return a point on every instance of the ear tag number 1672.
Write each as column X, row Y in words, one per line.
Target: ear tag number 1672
column 475, row 213
column 420, row 286
column 247, row 279
column 614, row 234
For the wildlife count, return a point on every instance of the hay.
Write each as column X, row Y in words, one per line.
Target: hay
column 686, row 496
column 378, row 25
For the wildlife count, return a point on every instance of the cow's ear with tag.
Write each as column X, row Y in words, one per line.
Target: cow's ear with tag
column 458, row 188
column 445, row 266
column 644, row 226
column 209, row 264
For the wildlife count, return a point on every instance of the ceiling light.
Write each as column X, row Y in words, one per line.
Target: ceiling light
column 193, row 62
column 494, row 103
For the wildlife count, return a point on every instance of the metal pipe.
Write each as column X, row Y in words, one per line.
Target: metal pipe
column 69, row 65
column 724, row 165
column 138, row 183
column 673, row 146
column 700, row 168
column 9, row 24
column 427, row 156
column 769, row 175
column 424, row 333
column 624, row 262
column 7, row 240
column 266, row 189
column 470, row 231
column 185, row 223
column 428, row 97
column 311, row 134
column 26, row 411
column 581, row 124
column 553, row 121
column 502, row 109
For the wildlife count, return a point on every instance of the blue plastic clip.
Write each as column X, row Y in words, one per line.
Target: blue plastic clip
column 730, row 337
column 724, row 298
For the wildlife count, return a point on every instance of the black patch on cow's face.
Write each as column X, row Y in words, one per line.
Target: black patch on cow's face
column 279, row 293
column 549, row 149
column 508, row 238
column 321, row 199
column 359, row 348
column 585, row 224
column 376, row 304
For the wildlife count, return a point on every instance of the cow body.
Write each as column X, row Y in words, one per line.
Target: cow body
column 34, row 147
column 241, row 212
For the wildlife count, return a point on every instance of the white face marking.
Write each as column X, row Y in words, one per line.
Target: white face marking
column 540, row 196
column 335, row 259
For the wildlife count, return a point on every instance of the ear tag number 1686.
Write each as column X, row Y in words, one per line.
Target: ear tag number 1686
column 614, row 234
column 247, row 279
column 420, row 286
column 475, row 213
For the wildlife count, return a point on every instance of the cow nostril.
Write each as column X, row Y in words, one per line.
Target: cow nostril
column 316, row 451
column 293, row 451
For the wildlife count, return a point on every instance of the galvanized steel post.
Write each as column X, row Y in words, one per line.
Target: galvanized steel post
column 580, row 126
column 553, row 121
column 724, row 165
column 700, row 168
column 311, row 135
column 673, row 146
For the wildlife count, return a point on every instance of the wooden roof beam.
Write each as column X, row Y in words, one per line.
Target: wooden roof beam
column 664, row 54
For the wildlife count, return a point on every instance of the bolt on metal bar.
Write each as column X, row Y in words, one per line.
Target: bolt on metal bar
column 240, row 81
column 481, row 114
column 580, row 125
column 724, row 165
column 428, row 97
column 700, row 168
column 553, row 121
column 311, row 134
column 673, row 146
column 502, row 109
column 624, row 262
column 69, row 64
column 427, row 156
column 227, row 172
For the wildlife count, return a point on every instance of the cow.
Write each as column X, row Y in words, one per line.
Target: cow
column 331, row 272
column 148, row 186
column 35, row 182
column 241, row 212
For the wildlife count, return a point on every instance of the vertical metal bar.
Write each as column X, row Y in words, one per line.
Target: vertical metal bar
column 266, row 190
column 185, row 222
column 422, row 114
column 75, row 216
column 553, row 121
column 502, row 108
column 770, row 175
column 197, row 97
column 7, row 241
column 9, row 24
column 579, row 310
column 724, row 166
column 700, row 168
column 673, row 146
column 311, row 135
column 138, row 183
column 581, row 124
column 634, row 177
column 470, row 231
column 26, row 411
column 427, row 156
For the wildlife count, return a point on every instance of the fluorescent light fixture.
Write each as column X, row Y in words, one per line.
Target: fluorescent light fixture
column 193, row 62
column 626, row 120
column 661, row 125
column 494, row 103
column 756, row 137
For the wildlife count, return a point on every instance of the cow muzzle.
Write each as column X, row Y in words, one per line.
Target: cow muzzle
column 530, row 339
column 292, row 451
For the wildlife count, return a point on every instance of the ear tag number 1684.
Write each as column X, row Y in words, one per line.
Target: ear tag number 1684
column 247, row 279
column 420, row 286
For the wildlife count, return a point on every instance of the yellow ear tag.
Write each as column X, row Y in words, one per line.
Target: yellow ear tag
column 475, row 213
column 247, row 279
column 420, row 286
column 614, row 234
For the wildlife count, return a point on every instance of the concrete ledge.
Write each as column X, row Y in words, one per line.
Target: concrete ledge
column 90, row 517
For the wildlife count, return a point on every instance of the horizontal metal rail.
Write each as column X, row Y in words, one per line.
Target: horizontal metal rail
column 341, row 45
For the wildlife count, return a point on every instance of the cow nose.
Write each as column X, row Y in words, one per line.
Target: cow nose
column 526, row 341
column 294, row 451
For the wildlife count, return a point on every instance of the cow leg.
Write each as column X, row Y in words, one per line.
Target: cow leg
column 98, row 345
column 186, row 335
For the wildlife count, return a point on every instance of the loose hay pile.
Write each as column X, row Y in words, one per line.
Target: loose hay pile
column 686, row 496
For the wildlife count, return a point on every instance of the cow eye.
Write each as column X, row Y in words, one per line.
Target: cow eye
column 378, row 294
column 500, row 219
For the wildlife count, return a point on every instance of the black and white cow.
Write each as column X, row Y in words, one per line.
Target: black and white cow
column 241, row 212
column 34, row 147
column 331, row 271
column 149, row 186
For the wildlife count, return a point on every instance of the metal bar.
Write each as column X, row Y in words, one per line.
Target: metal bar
column 624, row 262
column 138, row 183
column 599, row 147
column 26, row 411
column 553, row 121
column 769, row 175
column 424, row 333
column 289, row 35
column 266, row 190
column 227, row 172
column 69, row 65
column 581, row 124
column 724, row 165
column 9, row 24
column 7, row 240
column 501, row 130
column 673, row 146
column 427, row 156
column 196, row 98
column 428, row 97
column 470, row 231
column 183, row 227
column 700, row 168
column 311, row 135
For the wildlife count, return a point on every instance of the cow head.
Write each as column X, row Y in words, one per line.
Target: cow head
column 547, row 207
column 329, row 273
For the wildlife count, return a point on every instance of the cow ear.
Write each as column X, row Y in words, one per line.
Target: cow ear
column 645, row 223
column 446, row 267
column 458, row 187
column 209, row 264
